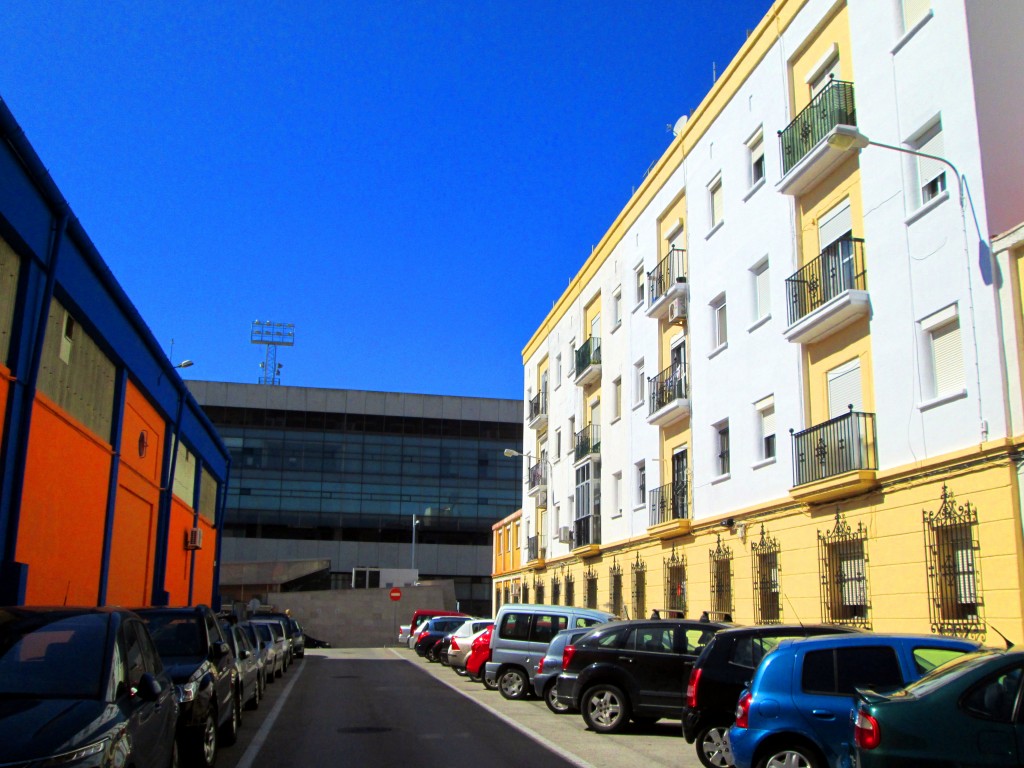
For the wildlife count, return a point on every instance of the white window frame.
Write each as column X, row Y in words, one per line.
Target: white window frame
column 616, row 494
column 760, row 280
column 719, row 324
column 716, row 214
column 639, row 384
column 765, row 420
column 942, row 382
column 756, row 161
column 616, row 399
column 616, row 309
column 640, row 489
column 722, row 458
column 640, row 284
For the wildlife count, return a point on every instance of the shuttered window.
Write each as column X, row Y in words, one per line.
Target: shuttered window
column 716, row 202
column 756, row 160
column 914, row 11
column 761, row 294
column 931, row 173
column 834, row 225
column 766, row 415
column 844, row 389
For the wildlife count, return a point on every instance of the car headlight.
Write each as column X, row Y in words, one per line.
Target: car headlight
column 99, row 754
column 187, row 691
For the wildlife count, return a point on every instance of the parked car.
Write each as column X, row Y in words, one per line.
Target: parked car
column 799, row 708
column 545, row 674
column 312, row 642
column 83, row 686
column 281, row 649
column 431, row 632
column 298, row 638
column 479, row 655
column 632, row 670
column 248, row 665
column 724, row 668
column 280, row 621
column 462, row 643
column 263, row 639
column 462, row 633
column 403, row 634
column 521, row 637
column 972, row 699
column 422, row 614
column 199, row 659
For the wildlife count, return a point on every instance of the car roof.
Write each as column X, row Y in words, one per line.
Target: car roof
column 770, row 629
column 875, row 638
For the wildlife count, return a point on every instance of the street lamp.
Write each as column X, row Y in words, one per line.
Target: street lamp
column 415, row 522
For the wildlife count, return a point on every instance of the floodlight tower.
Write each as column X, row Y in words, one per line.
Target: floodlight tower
column 273, row 335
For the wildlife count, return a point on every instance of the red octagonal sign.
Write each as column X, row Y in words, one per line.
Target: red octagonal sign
column 395, row 594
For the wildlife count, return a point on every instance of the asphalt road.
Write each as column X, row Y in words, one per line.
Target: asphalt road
column 387, row 707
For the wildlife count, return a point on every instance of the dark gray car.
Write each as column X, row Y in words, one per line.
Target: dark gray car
column 550, row 667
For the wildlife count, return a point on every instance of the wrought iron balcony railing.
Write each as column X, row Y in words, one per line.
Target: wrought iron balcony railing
column 833, row 106
column 668, row 386
column 538, row 475
column 588, row 354
column 588, row 441
column 534, row 548
column 538, row 406
column 838, row 269
column 586, row 531
column 670, row 502
column 670, row 270
column 843, row 444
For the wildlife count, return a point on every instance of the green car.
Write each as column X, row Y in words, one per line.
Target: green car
column 969, row 711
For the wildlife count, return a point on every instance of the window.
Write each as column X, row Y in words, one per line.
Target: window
column 715, row 195
column 641, row 484
column 570, row 446
column 844, row 580
column 590, row 577
column 558, row 443
column 639, row 585
column 756, row 149
column 844, row 389
column 617, row 308
column 615, row 579
column 639, row 383
column 841, row 670
column 719, row 324
column 953, row 584
column 721, row 582
column 640, row 281
column 913, row 11
column 931, row 173
column 722, row 446
column 767, row 594
column 617, row 399
column 617, row 493
column 823, row 76
column 558, row 370
column 944, row 352
column 762, row 298
column 766, row 427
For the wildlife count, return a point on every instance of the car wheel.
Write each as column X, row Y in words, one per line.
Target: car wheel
column 512, row 683
column 200, row 748
column 551, row 699
column 796, row 756
column 713, row 748
column 460, row 671
column 490, row 685
column 432, row 654
column 254, row 701
column 174, row 754
column 605, row 709
column 229, row 733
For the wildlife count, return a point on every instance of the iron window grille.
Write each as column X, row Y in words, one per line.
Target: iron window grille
column 764, row 557
column 615, row 588
column 570, row 591
column 556, row 590
column 590, row 577
column 639, row 573
column 675, row 583
column 538, row 592
column 721, row 581
column 842, row 562
column 526, row 593
column 954, row 583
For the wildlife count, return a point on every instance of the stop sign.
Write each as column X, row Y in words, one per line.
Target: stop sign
column 395, row 593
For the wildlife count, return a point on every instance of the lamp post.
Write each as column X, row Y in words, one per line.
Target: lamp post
column 845, row 137
column 415, row 522
column 512, row 453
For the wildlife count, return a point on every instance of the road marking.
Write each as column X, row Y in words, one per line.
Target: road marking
column 264, row 731
column 546, row 743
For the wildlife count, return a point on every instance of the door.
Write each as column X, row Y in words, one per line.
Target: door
column 677, row 364
column 835, row 229
column 680, row 484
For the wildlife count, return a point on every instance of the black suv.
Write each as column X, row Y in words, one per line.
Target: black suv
column 199, row 659
column 631, row 670
column 721, row 672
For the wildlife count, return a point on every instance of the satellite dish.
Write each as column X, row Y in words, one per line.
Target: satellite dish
column 678, row 127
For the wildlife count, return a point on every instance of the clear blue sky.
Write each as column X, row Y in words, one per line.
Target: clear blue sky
column 412, row 184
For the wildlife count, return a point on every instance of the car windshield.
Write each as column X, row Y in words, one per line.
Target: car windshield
column 174, row 635
column 52, row 658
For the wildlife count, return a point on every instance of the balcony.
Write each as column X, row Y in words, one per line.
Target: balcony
column 807, row 155
column 538, row 411
column 827, row 294
column 535, row 552
column 537, row 483
column 588, row 362
column 670, row 510
column 586, row 536
column 836, row 459
column 667, row 291
column 669, row 397
column 588, row 443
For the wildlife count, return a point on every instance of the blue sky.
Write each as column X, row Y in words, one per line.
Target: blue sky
column 412, row 184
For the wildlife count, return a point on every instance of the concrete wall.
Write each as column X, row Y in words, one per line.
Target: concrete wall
column 361, row 618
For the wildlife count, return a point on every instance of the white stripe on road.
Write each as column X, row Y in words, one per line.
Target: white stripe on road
column 546, row 743
column 264, row 731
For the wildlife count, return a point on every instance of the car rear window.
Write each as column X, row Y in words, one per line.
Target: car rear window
column 841, row 670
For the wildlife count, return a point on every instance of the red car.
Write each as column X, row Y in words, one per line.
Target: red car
column 479, row 655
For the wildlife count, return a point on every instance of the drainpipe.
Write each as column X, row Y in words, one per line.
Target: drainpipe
column 120, row 386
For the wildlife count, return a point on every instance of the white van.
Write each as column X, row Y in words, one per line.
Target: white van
column 521, row 635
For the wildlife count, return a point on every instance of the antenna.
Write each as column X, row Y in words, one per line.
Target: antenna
column 273, row 335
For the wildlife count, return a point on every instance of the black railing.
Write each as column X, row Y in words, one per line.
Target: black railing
column 588, row 441
column 533, row 548
column 538, row 475
column 833, row 106
column 589, row 354
column 667, row 387
column 669, row 271
column 586, row 531
column 670, row 502
column 843, row 444
column 838, row 269
column 538, row 406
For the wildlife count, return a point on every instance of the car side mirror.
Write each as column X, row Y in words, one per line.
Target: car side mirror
column 220, row 649
column 149, row 688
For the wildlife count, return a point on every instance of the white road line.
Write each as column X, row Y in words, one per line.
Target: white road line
column 264, row 731
column 546, row 743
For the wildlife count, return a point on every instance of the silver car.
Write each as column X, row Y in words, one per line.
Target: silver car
column 462, row 643
column 545, row 674
column 263, row 636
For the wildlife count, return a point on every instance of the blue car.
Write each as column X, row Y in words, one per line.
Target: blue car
column 798, row 711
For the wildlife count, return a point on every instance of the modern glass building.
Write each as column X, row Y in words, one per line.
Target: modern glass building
column 350, row 475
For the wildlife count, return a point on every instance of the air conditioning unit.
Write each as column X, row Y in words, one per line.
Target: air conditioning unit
column 565, row 534
column 194, row 539
column 677, row 310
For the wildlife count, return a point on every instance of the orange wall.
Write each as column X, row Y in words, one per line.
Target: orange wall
column 179, row 560
column 5, row 384
column 63, row 509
